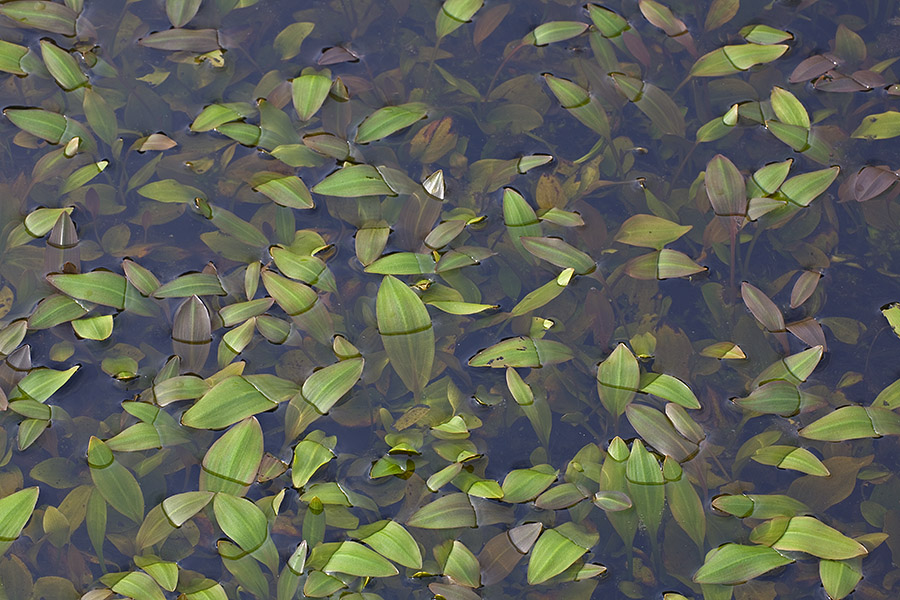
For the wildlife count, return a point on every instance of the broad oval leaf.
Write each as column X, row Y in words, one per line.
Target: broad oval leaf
column 731, row 564
column 390, row 119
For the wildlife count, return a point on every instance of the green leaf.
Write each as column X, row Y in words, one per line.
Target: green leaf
column 216, row 115
column 788, row 109
column 15, row 511
column 41, row 383
column 82, row 176
column 579, row 102
column 326, row 386
column 231, row 463
column 684, row 502
column 808, row 534
column 762, row 307
column 759, row 506
column 461, row 566
column 180, row 12
column 41, row 14
column 191, row 284
column 522, row 352
column 544, row 294
column 99, row 287
column 241, row 520
column 664, row 264
column 879, row 126
column 11, row 56
column 47, row 125
column 734, row 59
column 288, row 41
column 309, row 92
column 390, row 119
column 114, row 482
column 650, row 231
column 391, row 540
column 454, row 14
column 803, row 189
column 62, row 66
column 403, row 263
column 763, row 34
column 94, row 328
column 181, row 507
column 559, row 253
column 731, row 564
column 354, row 181
column 657, row 430
column 447, row 512
column 774, row 397
column 839, row 578
column 851, row 423
column 524, row 485
column 406, row 332
column 169, row 190
column 556, row 550
column 350, row 558
column 188, row 40
column 668, row 388
column 289, row 191
column 556, row 31
column 789, row 457
column 645, row 486
column 618, row 379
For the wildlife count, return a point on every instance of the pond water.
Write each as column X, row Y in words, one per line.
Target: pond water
column 358, row 299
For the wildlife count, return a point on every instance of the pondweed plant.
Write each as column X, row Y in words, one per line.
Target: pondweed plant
column 381, row 300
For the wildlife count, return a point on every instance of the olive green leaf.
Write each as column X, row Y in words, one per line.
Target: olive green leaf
column 728, row 60
column 189, row 40
column 579, row 102
column 454, row 14
column 288, row 41
column 11, row 56
column 879, row 126
column 544, row 294
column 41, row 14
column 657, row 430
column 650, row 231
column 241, row 520
column 403, row 263
column 803, row 189
column 664, row 264
column 309, row 269
column 764, row 34
column 82, row 176
column 447, row 512
column 808, row 534
column 460, row 565
column 555, row 31
column 164, row 572
column 284, row 190
column 114, row 482
column 524, row 485
column 62, row 66
column 794, row 368
column 94, row 328
column 354, row 181
column 653, row 102
column 645, row 481
column 556, row 550
column 15, row 511
column 215, row 115
column 406, row 332
column 853, row 422
column 191, row 284
column 351, row 558
column 169, row 190
column 99, row 287
column 559, row 253
column 789, row 457
column 180, row 12
column 762, row 307
column 522, row 352
column 759, row 506
column 309, row 92
column 668, row 388
column 840, row 577
column 775, row 397
column 231, row 462
column 41, row 383
column 618, row 379
column 391, row 540
column 390, row 119
column 731, row 564
column 684, row 502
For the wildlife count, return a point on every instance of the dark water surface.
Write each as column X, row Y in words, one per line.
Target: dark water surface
column 564, row 142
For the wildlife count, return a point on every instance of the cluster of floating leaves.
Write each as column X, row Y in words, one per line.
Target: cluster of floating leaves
column 299, row 404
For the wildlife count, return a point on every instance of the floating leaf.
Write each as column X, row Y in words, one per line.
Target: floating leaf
column 99, row 287
column 62, row 65
column 169, row 190
column 521, row 352
column 406, row 332
column 762, row 308
column 231, row 463
column 15, row 511
column 390, row 119
column 114, row 482
column 731, row 564
column 650, row 231
column 879, row 126
column 454, row 14
column 354, row 181
column 853, row 422
column 556, row 550
column 734, row 59
column 190, row 40
column 559, row 253
column 788, row 457
column 808, row 534
column 556, row 31
column 618, row 379
column 391, row 540
column 579, row 102
column 41, row 14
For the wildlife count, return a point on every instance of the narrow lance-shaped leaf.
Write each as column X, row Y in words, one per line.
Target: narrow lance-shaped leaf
column 15, row 511
column 406, row 332
column 734, row 563
column 618, row 379
column 390, row 119
column 114, row 482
